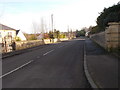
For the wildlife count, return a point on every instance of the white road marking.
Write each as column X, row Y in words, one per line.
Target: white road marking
column 27, row 63
column 16, row 69
column 89, row 78
column 48, row 52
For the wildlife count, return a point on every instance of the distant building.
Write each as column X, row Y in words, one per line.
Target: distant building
column 86, row 34
column 41, row 36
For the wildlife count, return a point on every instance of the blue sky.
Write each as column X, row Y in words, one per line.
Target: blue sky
column 13, row 7
column 22, row 14
column 20, row 6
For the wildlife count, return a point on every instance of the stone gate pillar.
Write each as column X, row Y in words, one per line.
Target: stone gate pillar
column 112, row 35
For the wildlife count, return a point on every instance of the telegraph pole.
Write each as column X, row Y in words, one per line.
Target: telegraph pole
column 52, row 21
column 68, row 33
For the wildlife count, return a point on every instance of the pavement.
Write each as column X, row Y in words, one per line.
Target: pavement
column 101, row 68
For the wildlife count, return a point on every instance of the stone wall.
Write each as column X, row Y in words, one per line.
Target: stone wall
column 110, row 39
column 99, row 38
column 23, row 45
column 47, row 41
column 27, row 44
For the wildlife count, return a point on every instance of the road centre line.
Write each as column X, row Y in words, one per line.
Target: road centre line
column 48, row 52
column 26, row 64
column 16, row 69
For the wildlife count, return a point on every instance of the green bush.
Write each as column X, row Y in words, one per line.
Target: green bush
column 62, row 36
column 111, row 14
column 17, row 39
column 33, row 37
column 80, row 33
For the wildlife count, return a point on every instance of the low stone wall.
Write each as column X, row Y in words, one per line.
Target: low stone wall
column 24, row 46
column 27, row 44
column 64, row 39
column 100, row 39
column 47, row 41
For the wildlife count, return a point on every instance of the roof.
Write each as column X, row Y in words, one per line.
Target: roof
column 17, row 32
column 4, row 27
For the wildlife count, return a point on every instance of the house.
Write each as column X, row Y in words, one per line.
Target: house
column 41, row 36
column 7, row 35
column 20, row 35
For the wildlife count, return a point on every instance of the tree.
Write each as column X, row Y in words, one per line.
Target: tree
column 32, row 37
column 62, row 35
column 56, row 33
column 77, row 33
column 80, row 33
column 51, row 36
column 94, row 29
column 111, row 14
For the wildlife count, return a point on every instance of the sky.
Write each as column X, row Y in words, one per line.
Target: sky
column 32, row 15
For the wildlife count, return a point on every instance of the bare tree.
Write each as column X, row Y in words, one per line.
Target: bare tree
column 34, row 28
column 42, row 25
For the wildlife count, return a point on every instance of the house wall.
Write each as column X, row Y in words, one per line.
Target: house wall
column 4, row 37
column 21, row 36
column 4, row 33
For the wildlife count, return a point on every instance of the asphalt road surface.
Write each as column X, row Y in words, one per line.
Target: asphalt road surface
column 57, row 65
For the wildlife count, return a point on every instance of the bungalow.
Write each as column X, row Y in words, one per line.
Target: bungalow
column 7, row 35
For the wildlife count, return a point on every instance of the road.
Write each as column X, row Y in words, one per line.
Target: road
column 57, row 65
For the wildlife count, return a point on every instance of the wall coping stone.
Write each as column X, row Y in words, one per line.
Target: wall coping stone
column 114, row 23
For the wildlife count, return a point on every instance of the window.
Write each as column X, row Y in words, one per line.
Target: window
column 9, row 33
